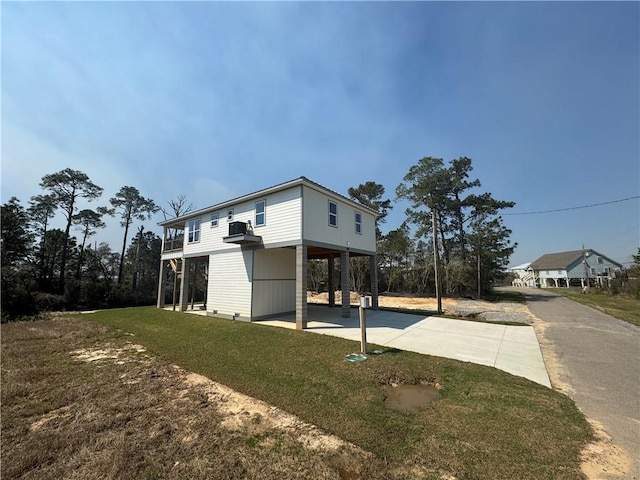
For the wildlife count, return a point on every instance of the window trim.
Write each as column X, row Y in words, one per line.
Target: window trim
column 263, row 213
column 194, row 233
column 215, row 217
column 230, row 214
column 334, row 215
column 358, row 224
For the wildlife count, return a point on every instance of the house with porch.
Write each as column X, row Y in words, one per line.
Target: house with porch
column 577, row 268
column 250, row 254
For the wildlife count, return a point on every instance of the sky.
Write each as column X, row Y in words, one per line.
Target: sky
column 214, row 100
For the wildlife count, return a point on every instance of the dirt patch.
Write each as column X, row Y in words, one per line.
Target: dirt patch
column 505, row 311
column 243, row 413
column 602, row 460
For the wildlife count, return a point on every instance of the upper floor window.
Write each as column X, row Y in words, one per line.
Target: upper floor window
column 261, row 213
column 214, row 220
column 230, row 215
column 333, row 214
column 600, row 260
column 194, row 230
column 358, row 220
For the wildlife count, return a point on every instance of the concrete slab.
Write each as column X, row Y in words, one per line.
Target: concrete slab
column 514, row 349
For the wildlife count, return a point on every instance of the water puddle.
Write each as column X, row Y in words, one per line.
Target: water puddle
column 410, row 397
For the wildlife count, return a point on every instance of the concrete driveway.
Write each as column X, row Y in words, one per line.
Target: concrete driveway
column 599, row 358
column 514, row 349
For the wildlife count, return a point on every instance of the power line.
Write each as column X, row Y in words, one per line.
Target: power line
column 572, row 208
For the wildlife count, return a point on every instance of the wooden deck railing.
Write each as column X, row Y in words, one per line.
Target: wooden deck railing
column 171, row 244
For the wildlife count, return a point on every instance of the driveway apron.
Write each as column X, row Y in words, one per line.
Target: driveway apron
column 600, row 356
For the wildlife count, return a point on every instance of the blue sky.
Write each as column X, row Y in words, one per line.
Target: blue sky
column 217, row 99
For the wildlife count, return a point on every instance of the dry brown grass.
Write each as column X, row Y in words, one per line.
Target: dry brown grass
column 80, row 402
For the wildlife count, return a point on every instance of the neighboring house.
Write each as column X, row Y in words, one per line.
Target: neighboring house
column 577, row 268
column 524, row 275
column 250, row 254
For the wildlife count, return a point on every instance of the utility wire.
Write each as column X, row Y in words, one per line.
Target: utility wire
column 572, row 208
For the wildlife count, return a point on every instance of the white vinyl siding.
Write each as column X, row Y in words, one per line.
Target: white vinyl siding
column 274, row 281
column 230, row 275
column 316, row 229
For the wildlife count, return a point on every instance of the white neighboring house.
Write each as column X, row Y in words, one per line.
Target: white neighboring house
column 578, row 268
column 250, row 253
column 524, row 275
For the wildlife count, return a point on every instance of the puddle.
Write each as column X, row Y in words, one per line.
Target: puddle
column 410, row 397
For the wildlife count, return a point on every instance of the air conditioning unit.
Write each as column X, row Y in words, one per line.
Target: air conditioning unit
column 237, row 228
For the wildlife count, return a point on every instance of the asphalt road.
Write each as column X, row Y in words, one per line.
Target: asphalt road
column 600, row 356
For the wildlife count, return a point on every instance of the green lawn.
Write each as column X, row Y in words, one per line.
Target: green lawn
column 619, row 306
column 487, row 424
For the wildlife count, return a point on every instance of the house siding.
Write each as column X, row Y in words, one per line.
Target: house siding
column 316, row 222
column 283, row 224
column 274, row 282
column 230, row 275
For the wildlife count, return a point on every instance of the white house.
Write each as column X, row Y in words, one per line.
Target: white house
column 250, row 253
column 523, row 275
column 574, row 268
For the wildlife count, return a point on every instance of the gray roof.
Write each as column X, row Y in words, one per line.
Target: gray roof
column 562, row 260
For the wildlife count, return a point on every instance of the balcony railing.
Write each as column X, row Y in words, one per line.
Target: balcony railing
column 171, row 244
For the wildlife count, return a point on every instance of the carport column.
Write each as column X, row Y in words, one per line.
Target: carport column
column 344, row 281
column 162, row 283
column 373, row 275
column 301, row 287
column 332, row 287
column 184, row 285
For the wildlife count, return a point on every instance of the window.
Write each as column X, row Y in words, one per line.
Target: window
column 593, row 271
column 214, row 220
column 261, row 213
column 194, row 230
column 333, row 214
column 600, row 260
column 230, row 215
column 358, row 223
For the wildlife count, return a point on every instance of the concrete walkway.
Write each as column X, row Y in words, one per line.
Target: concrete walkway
column 513, row 349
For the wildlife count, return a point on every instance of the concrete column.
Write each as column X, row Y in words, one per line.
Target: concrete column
column 332, row 288
column 373, row 275
column 344, row 280
column 162, row 283
column 184, row 285
column 301, row 287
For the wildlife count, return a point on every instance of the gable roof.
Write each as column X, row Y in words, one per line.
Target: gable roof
column 265, row 191
column 524, row 266
column 562, row 260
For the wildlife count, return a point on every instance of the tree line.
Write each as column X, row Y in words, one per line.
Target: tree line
column 449, row 225
column 46, row 268
column 452, row 239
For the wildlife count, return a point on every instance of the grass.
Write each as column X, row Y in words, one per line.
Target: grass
column 487, row 424
column 619, row 306
column 132, row 417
